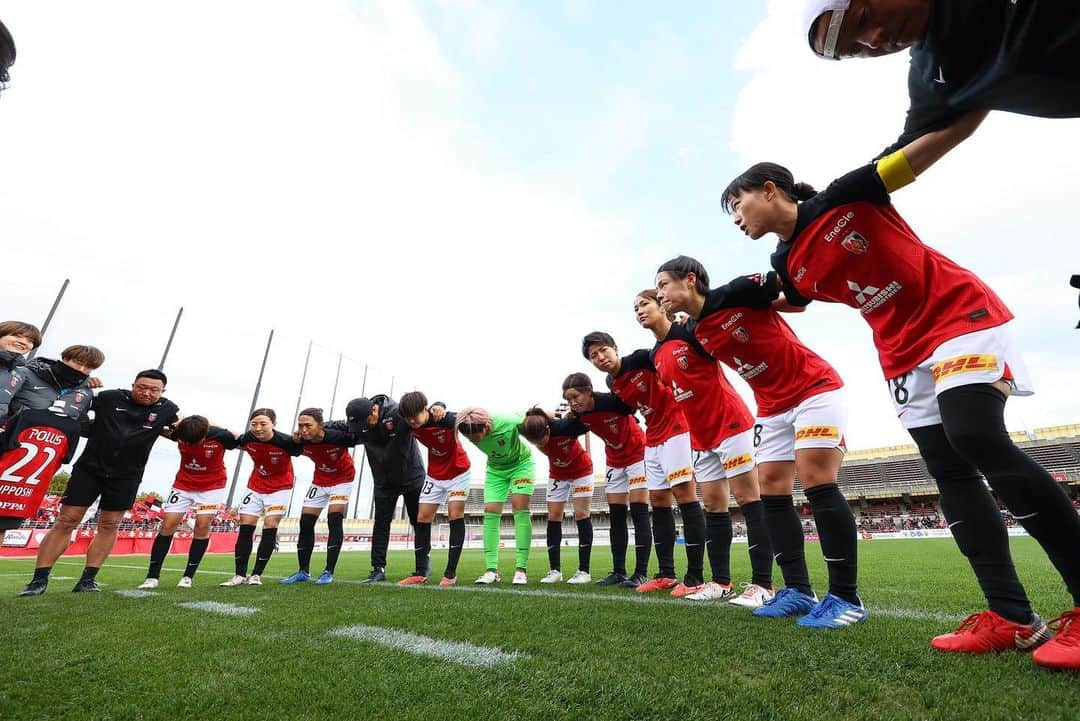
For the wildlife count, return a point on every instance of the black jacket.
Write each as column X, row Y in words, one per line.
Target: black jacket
column 392, row 452
column 9, row 380
column 41, row 381
column 122, row 434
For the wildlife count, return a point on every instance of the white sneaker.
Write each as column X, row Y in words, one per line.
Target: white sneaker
column 185, row 582
column 753, row 596
column 580, row 578
column 234, row 581
column 520, row 579
column 148, row 584
column 488, row 577
column 254, row 580
column 552, row 576
column 712, row 591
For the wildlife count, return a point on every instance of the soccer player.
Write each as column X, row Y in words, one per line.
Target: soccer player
column 16, row 340
column 125, row 426
column 268, row 491
column 801, row 423
column 613, row 422
column 947, row 351
column 570, row 472
column 722, row 438
column 967, row 58
column 42, row 380
column 669, row 464
column 331, row 487
column 448, row 470
column 200, row 485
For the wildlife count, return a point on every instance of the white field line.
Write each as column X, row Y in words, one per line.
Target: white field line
column 29, row 575
column 459, row 652
column 225, row 609
column 134, row 593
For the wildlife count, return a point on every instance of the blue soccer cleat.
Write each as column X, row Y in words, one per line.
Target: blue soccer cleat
column 787, row 602
column 833, row 612
column 324, row 578
column 298, row 577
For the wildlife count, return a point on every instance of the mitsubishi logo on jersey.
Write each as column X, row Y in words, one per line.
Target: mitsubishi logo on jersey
column 870, row 297
column 860, row 292
column 681, row 394
column 747, row 371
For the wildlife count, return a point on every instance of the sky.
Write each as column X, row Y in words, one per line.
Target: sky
column 453, row 192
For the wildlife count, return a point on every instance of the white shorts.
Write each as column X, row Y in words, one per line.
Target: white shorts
column 626, row 479
column 819, row 421
column 323, row 496
column 559, row 491
column 734, row 456
column 985, row 356
column 268, row 504
column 669, row 464
column 453, row 491
column 204, row 502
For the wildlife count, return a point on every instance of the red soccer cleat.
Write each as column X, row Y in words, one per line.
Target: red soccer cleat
column 683, row 590
column 448, row 581
column 657, row 584
column 988, row 632
column 1063, row 650
column 412, row 581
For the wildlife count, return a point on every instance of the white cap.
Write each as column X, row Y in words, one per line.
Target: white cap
column 815, row 9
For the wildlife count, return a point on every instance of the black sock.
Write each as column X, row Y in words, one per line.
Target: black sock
column 158, row 552
column 554, row 545
column 584, row 541
column 242, row 552
column 973, row 418
column 457, row 541
column 694, row 534
column 758, row 545
column 839, row 539
column 664, row 539
column 786, row 535
column 422, row 546
column 642, row 537
column 265, row 550
column 335, row 524
column 620, row 537
column 305, row 541
column 42, row 574
column 195, row 555
column 718, row 533
column 89, row 574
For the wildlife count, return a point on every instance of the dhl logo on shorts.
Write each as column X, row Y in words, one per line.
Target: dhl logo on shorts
column 458, row 494
column 521, row 481
column 737, row 462
column 964, row 364
column 208, row 507
column 339, row 497
column 274, row 509
column 637, row 481
column 811, row 432
column 681, row 473
column 582, row 489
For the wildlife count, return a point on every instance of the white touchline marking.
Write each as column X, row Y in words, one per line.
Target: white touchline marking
column 135, row 593
column 30, row 575
column 462, row 652
column 225, row 609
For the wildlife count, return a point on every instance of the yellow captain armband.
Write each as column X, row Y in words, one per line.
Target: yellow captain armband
column 895, row 171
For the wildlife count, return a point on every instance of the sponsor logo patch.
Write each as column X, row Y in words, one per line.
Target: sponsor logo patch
column 637, row 481
column 809, row 432
column 458, row 494
column 737, row 462
column 964, row 364
column 681, row 473
column 274, row 509
column 521, row 482
column 582, row 489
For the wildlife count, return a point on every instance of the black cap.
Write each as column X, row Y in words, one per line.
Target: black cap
column 357, row 412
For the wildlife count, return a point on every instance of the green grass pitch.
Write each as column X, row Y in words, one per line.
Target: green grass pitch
column 555, row 651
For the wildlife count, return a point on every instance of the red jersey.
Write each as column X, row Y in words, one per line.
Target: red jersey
column 333, row 464
column 273, row 462
column 202, row 464
column 36, row 444
column 850, row 246
column 613, row 422
column 567, row 459
column 638, row 385
column 446, row 457
column 763, row 349
column 711, row 406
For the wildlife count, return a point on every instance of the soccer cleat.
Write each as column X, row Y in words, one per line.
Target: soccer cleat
column 635, row 581
column 612, row 579
column 444, row 581
column 520, row 579
column 712, row 591
column 987, row 632
column 324, row 578
column 148, row 584
column 254, row 580
column 413, row 580
column 553, row 576
column 580, row 578
column 786, row 603
column 185, row 582
column 658, row 583
column 234, row 581
column 34, row 588
column 87, row 585
column 1062, row 652
column 298, row 577
column 682, row 590
column 488, row 577
column 833, row 612
column 753, row 596
column 377, row 575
